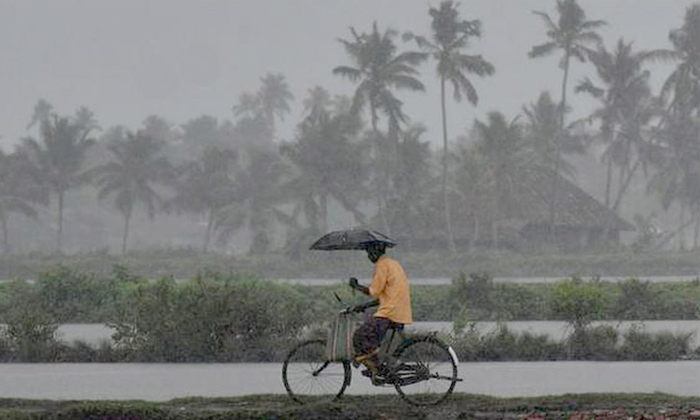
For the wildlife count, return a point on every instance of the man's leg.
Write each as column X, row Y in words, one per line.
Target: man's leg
column 367, row 339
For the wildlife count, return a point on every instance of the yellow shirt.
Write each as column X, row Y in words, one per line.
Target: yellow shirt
column 390, row 286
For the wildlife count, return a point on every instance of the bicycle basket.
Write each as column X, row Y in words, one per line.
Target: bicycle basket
column 340, row 338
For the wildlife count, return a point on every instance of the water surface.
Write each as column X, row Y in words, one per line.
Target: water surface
column 160, row 382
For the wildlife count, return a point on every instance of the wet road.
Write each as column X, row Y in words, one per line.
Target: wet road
column 160, row 382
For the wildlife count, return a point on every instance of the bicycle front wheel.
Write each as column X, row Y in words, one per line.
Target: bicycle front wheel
column 308, row 376
column 426, row 371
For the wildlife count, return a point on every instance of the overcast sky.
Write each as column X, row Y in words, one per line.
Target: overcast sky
column 127, row 59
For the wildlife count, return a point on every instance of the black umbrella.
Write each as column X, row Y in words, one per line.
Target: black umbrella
column 352, row 239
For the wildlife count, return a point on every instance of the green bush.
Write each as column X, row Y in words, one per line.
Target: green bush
column 577, row 302
column 210, row 319
column 77, row 297
column 636, row 300
column 639, row 345
column 30, row 326
column 597, row 343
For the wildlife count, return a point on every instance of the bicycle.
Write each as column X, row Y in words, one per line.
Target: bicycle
column 421, row 367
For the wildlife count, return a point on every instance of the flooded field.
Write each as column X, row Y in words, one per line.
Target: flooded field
column 94, row 333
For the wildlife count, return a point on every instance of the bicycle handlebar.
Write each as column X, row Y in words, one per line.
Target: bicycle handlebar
column 357, row 308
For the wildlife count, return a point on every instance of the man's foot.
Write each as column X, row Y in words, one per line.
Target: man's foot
column 376, row 379
column 367, row 356
column 370, row 362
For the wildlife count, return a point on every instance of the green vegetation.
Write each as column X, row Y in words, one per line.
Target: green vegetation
column 266, row 407
column 223, row 318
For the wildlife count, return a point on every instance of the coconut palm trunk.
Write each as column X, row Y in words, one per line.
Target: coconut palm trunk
column 557, row 153
column 608, row 183
column 446, row 201
column 207, row 234
column 681, row 233
column 324, row 212
column 5, row 235
column 625, row 184
column 379, row 182
column 697, row 229
column 127, row 219
column 61, row 195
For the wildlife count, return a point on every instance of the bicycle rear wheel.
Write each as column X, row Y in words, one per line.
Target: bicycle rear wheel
column 308, row 375
column 425, row 372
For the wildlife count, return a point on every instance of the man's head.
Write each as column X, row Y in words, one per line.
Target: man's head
column 374, row 251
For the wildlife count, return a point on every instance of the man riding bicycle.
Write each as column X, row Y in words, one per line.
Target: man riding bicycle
column 390, row 287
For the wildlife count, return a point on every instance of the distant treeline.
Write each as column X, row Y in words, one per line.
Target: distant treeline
column 187, row 263
column 361, row 154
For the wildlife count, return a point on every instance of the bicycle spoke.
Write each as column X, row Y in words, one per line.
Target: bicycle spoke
column 427, row 373
column 307, row 376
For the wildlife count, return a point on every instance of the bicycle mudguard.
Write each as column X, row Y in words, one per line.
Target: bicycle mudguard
column 420, row 336
column 453, row 354
column 409, row 339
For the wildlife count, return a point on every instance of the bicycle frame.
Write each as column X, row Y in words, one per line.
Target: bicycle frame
column 398, row 366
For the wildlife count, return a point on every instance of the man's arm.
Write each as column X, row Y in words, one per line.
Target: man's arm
column 357, row 286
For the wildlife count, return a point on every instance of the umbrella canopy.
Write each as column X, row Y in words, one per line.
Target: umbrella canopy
column 351, row 239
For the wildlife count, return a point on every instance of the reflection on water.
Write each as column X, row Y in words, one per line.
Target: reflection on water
column 559, row 330
column 95, row 333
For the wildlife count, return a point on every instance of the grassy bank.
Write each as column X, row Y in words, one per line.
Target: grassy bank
column 186, row 263
column 460, row 406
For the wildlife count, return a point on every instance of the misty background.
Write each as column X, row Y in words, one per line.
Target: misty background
column 169, row 65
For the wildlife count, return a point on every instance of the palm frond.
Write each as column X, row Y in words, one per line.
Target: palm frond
column 542, row 50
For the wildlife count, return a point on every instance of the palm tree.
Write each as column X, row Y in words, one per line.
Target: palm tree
column 572, row 34
column 132, row 175
column 206, row 186
column 472, row 188
column 262, row 192
column 60, row 159
column 20, row 190
column 378, row 70
column 260, row 110
column 450, row 37
column 677, row 178
column 42, row 112
column 411, row 203
column 248, row 106
column 159, row 128
column 626, row 107
column 274, row 96
column 541, row 131
column 329, row 165
column 501, row 143
column 682, row 87
column 85, row 118
column 317, row 102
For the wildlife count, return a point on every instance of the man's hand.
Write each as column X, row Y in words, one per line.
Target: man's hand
column 357, row 286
